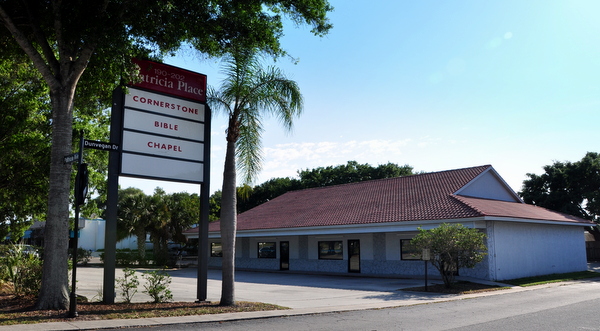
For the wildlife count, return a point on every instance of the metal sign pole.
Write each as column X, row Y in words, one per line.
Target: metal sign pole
column 203, row 244
column 112, row 198
column 73, row 297
column 425, row 255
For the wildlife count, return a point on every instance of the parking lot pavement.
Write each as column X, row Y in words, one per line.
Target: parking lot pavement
column 296, row 291
column 305, row 294
column 285, row 289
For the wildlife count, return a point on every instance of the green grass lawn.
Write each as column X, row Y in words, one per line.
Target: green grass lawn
column 553, row 278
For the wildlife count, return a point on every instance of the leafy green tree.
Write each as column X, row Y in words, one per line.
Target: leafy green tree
column 451, row 247
column 63, row 39
column 247, row 93
column 568, row 187
column 24, row 145
column 184, row 211
column 350, row 173
column 214, row 202
column 267, row 191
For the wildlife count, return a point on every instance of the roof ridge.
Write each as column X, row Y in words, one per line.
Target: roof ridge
column 393, row 178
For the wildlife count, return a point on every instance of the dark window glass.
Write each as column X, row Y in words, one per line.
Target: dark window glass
column 216, row 250
column 408, row 251
column 331, row 250
column 267, row 250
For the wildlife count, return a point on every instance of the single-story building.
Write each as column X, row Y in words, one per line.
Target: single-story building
column 91, row 235
column 366, row 227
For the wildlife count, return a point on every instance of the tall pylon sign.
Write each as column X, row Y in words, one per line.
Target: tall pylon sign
column 162, row 124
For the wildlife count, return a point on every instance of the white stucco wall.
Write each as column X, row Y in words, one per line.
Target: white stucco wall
column 488, row 186
column 523, row 250
column 91, row 237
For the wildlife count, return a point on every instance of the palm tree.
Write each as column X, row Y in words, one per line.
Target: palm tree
column 158, row 225
column 248, row 92
column 132, row 218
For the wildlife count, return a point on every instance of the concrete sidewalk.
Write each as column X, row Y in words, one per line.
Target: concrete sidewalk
column 304, row 294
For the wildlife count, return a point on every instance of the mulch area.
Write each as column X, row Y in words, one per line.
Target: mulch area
column 20, row 310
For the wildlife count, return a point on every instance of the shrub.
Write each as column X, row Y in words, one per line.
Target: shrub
column 128, row 284
column 452, row 246
column 23, row 270
column 124, row 257
column 84, row 256
column 157, row 286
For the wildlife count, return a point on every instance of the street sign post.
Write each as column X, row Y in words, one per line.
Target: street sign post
column 100, row 145
column 68, row 159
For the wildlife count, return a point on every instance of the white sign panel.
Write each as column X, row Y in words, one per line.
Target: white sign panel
column 162, row 137
column 162, row 146
column 156, row 124
column 164, row 105
column 160, row 168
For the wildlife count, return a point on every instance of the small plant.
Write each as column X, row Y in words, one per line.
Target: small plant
column 128, row 284
column 99, row 297
column 84, row 256
column 23, row 269
column 157, row 286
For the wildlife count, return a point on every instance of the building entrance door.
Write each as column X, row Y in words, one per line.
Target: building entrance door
column 353, row 255
column 284, row 255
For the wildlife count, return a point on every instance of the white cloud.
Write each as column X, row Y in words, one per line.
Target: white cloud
column 284, row 160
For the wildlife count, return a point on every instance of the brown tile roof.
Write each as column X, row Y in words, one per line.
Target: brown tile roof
column 517, row 210
column 421, row 197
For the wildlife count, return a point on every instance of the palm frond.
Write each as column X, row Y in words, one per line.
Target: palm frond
column 249, row 92
column 249, row 146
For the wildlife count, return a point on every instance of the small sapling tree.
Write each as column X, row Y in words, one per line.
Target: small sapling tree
column 128, row 284
column 452, row 246
column 157, row 286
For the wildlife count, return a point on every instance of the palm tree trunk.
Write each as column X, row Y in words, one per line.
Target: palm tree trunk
column 54, row 292
column 141, row 243
column 228, row 227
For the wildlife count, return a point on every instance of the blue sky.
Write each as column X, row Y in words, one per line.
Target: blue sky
column 437, row 85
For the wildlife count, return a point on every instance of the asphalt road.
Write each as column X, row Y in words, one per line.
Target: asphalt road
column 573, row 306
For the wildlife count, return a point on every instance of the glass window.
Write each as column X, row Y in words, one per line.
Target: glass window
column 331, row 250
column 267, row 250
column 408, row 251
column 216, row 250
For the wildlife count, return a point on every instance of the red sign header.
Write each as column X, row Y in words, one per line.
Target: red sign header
column 171, row 80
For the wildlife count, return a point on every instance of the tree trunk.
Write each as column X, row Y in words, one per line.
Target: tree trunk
column 228, row 227
column 160, row 251
column 54, row 293
column 141, row 244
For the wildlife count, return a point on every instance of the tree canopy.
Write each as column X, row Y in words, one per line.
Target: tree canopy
column 24, row 145
column 84, row 48
column 350, row 173
column 568, row 187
